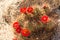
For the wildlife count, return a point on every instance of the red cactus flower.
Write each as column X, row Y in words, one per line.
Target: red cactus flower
column 16, row 25
column 44, row 19
column 25, row 32
column 18, row 30
column 23, row 10
column 29, row 9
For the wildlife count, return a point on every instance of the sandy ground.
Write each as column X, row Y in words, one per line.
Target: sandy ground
column 6, row 31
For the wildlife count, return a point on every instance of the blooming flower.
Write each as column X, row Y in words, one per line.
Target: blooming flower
column 23, row 10
column 25, row 32
column 29, row 9
column 16, row 25
column 44, row 19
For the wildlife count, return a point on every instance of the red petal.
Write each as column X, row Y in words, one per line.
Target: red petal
column 16, row 25
column 25, row 32
column 18, row 30
column 44, row 19
column 23, row 10
column 30, row 9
